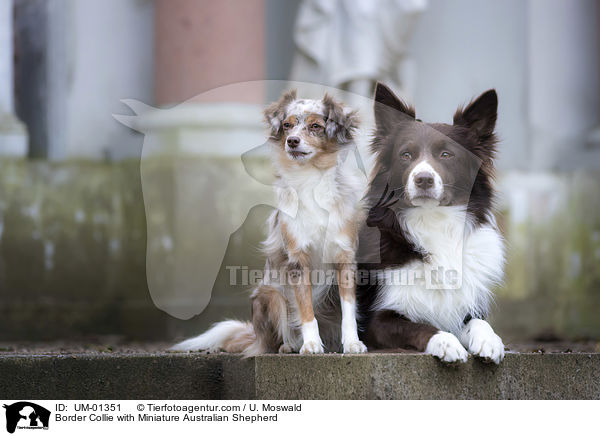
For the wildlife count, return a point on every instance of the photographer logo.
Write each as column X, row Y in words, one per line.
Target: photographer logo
column 26, row 415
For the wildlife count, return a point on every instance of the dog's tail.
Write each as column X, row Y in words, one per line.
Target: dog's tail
column 231, row 336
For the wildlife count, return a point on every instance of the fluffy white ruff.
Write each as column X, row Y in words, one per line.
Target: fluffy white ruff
column 479, row 338
column 447, row 348
column 455, row 244
column 317, row 206
column 213, row 339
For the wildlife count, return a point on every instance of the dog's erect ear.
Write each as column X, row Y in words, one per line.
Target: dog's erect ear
column 479, row 115
column 275, row 113
column 386, row 97
column 389, row 109
column 341, row 122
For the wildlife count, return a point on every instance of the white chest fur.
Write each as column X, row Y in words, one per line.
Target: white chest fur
column 464, row 263
column 317, row 211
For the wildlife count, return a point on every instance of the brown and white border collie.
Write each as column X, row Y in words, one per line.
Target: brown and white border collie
column 314, row 228
column 430, row 244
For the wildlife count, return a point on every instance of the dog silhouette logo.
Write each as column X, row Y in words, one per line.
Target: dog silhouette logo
column 26, row 415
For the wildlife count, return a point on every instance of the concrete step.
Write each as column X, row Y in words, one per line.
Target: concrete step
column 330, row 376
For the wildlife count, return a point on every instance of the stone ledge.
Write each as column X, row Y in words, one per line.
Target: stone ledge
column 331, row 376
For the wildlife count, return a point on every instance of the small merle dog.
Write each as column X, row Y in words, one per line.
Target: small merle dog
column 430, row 245
column 314, row 229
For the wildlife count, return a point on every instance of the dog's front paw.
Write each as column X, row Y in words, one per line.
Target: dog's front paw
column 285, row 349
column 354, row 347
column 447, row 348
column 381, row 215
column 483, row 342
column 312, row 347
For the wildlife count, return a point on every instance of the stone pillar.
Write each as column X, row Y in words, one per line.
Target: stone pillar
column 204, row 44
column 593, row 140
column 210, row 64
column 563, row 69
column 13, row 135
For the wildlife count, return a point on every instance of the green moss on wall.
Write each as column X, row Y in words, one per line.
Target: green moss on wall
column 73, row 241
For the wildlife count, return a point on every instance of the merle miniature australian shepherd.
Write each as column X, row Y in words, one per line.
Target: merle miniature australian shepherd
column 430, row 246
column 315, row 227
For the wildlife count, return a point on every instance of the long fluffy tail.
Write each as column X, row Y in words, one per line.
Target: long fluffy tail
column 230, row 336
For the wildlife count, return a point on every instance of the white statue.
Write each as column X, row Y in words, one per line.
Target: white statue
column 350, row 44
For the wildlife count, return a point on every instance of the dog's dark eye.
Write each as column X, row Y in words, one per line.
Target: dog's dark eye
column 286, row 125
column 446, row 155
column 406, row 155
column 315, row 126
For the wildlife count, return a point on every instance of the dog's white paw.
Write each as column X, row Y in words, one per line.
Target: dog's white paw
column 354, row 347
column 483, row 342
column 285, row 349
column 447, row 348
column 312, row 347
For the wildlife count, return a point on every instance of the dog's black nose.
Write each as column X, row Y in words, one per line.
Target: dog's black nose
column 293, row 141
column 424, row 180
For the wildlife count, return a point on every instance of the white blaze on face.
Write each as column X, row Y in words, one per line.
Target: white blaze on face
column 426, row 194
column 301, row 109
column 295, row 131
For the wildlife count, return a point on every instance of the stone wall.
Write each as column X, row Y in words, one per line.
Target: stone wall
column 552, row 226
column 388, row 376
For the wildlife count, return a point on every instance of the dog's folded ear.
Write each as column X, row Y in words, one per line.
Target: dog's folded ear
column 389, row 109
column 479, row 115
column 275, row 113
column 341, row 122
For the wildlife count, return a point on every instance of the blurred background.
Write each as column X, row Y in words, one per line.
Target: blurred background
column 79, row 242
